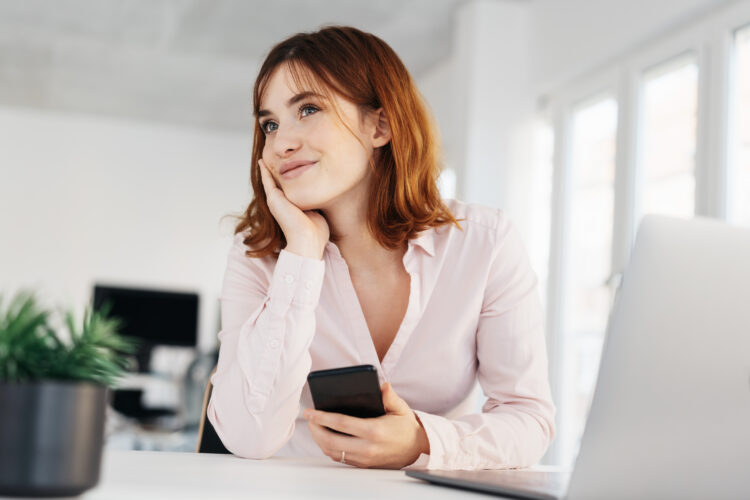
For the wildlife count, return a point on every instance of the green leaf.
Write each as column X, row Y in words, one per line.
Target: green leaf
column 30, row 349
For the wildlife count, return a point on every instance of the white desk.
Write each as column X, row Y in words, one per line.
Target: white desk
column 145, row 475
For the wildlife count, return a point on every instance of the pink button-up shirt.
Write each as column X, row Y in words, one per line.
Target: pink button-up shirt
column 474, row 315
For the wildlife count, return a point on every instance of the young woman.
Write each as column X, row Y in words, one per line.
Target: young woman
column 347, row 256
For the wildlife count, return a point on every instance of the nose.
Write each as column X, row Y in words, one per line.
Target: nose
column 287, row 140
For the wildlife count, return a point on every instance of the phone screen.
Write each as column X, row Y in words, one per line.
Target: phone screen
column 353, row 390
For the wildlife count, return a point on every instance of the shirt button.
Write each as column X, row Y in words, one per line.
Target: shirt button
column 274, row 344
column 308, row 285
column 289, row 278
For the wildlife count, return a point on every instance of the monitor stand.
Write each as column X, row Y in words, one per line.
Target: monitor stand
column 143, row 357
column 128, row 400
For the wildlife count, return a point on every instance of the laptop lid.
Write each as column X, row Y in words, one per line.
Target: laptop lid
column 523, row 484
column 670, row 414
column 670, row 417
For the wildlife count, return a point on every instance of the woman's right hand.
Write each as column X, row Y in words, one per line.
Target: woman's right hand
column 306, row 231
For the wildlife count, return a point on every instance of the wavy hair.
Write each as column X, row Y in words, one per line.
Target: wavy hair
column 363, row 69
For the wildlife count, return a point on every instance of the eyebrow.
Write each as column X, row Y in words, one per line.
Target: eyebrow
column 294, row 100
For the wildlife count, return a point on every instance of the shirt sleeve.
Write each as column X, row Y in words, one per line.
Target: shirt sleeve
column 267, row 325
column 516, row 424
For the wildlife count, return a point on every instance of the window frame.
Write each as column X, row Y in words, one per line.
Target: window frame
column 711, row 39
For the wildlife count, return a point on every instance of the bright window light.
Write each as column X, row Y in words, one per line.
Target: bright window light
column 586, row 298
column 447, row 183
column 668, row 139
column 739, row 174
column 541, row 203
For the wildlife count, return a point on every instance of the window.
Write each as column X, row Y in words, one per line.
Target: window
column 586, row 297
column 670, row 159
column 739, row 175
column 668, row 139
column 541, row 206
column 447, row 183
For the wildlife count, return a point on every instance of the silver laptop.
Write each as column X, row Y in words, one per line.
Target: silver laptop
column 670, row 417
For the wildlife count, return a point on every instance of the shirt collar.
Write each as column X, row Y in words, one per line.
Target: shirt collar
column 426, row 240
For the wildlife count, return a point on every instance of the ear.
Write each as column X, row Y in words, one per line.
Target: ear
column 382, row 133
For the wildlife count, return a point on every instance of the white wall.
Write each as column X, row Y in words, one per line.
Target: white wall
column 571, row 37
column 506, row 56
column 87, row 199
column 478, row 95
column 438, row 87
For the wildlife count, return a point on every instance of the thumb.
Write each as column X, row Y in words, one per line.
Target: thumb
column 392, row 402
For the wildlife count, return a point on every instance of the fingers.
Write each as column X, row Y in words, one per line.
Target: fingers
column 343, row 423
column 392, row 402
column 361, row 443
column 383, row 442
column 332, row 444
column 269, row 183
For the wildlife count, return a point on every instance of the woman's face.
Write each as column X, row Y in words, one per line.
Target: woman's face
column 314, row 157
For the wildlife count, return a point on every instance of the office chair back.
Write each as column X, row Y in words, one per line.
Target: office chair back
column 208, row 440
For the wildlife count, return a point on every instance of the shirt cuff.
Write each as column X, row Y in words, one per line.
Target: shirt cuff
column 439, row 430
column 296, row 280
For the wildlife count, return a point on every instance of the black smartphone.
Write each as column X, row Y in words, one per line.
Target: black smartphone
column 353, row 390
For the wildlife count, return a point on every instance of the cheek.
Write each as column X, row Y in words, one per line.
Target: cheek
column 266, row 154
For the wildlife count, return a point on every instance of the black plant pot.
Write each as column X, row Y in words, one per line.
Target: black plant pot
column 51, row 437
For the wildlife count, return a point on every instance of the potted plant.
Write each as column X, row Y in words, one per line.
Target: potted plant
column 53, row 397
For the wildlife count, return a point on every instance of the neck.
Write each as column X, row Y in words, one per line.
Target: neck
column 347, row 220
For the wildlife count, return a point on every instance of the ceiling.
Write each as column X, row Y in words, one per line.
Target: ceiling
column 190, row 62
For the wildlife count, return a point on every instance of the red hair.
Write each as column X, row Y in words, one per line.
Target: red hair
column 363, row 69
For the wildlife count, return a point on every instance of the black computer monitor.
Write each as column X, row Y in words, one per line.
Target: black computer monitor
column 154, row 317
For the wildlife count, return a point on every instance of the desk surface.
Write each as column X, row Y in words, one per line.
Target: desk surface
column 165, row 475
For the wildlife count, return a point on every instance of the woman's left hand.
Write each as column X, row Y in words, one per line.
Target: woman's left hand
column 391, row 441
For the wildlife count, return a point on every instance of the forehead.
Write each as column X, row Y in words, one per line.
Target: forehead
column 285, row 82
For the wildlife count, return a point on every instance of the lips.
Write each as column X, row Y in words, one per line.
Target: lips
column 286, row 167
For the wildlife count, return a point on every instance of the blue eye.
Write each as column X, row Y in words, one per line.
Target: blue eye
column 269, row 126
column 308, row 109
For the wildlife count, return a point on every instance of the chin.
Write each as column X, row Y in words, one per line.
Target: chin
column 306, row 201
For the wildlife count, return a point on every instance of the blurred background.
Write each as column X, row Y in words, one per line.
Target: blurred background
column 125, row 136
